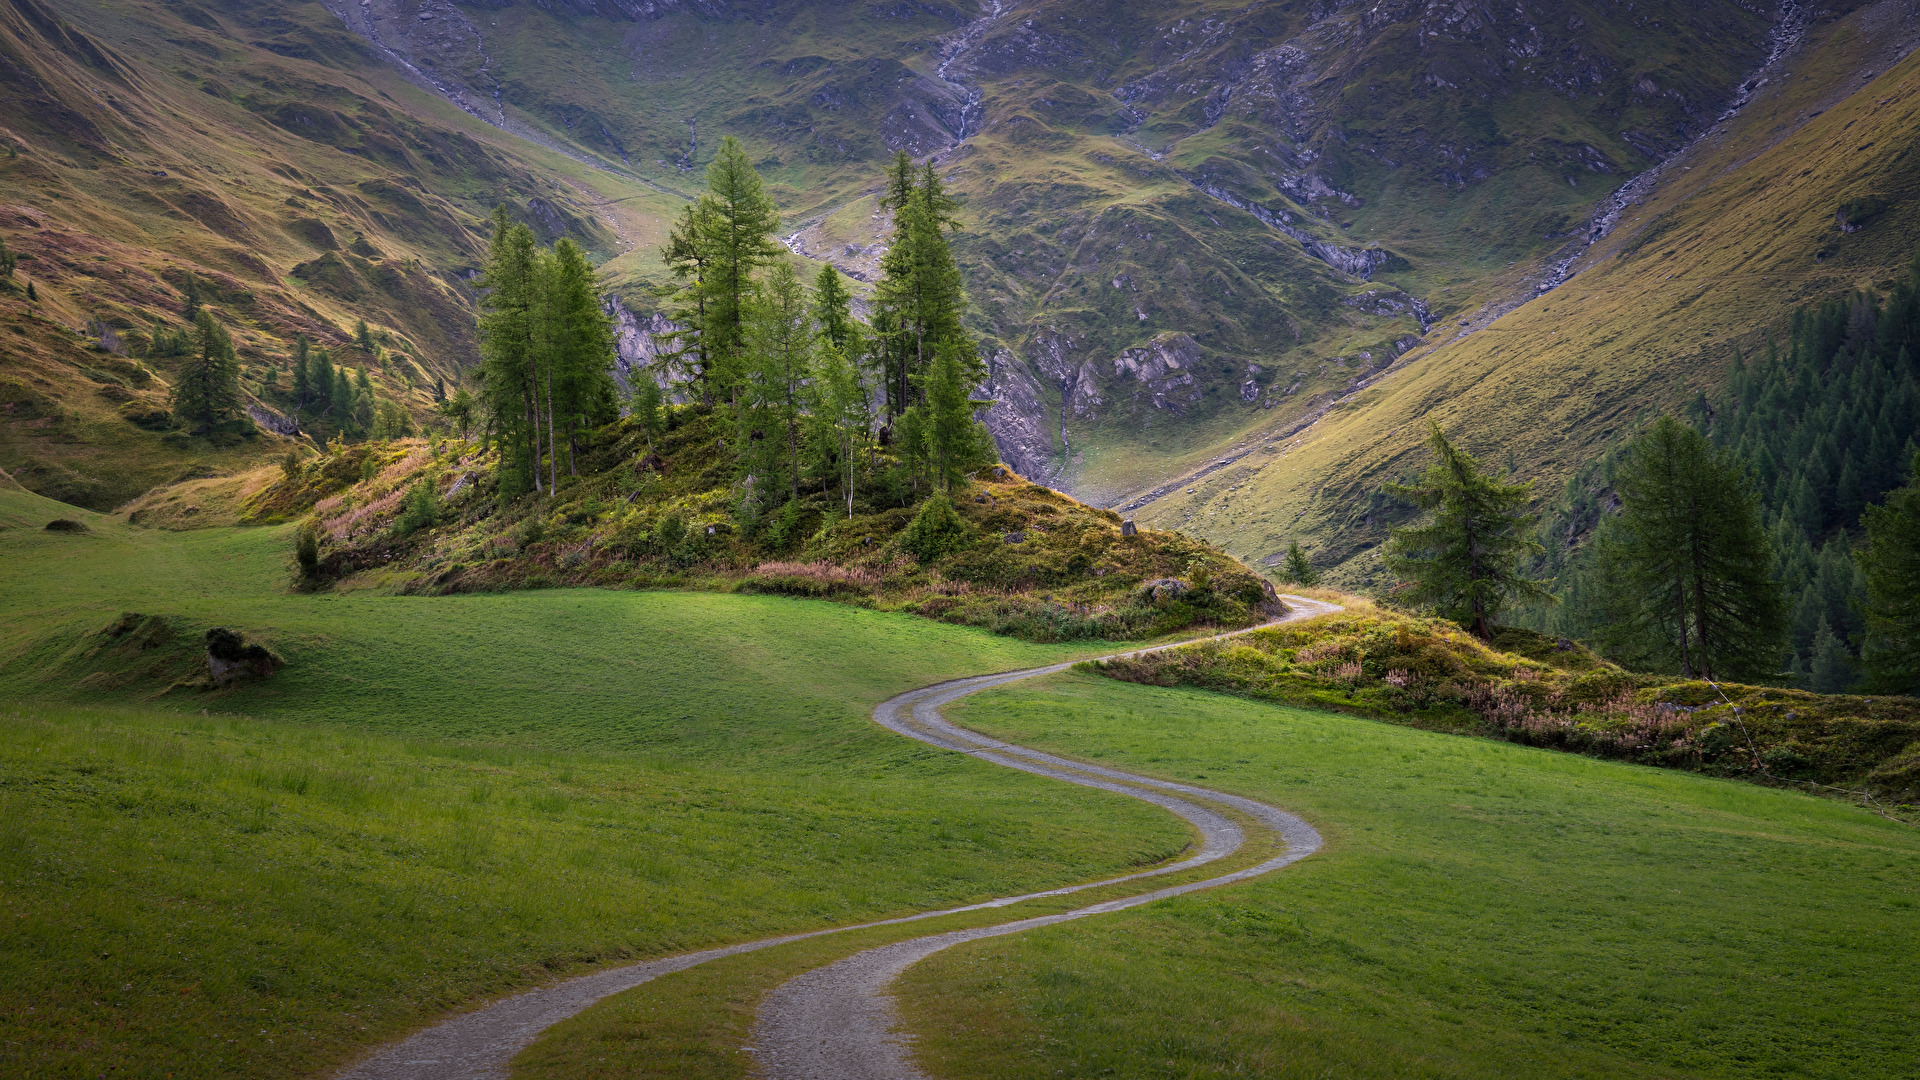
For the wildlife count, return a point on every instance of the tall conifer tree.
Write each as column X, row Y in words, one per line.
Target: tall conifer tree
column 1892, row 565
column 1692, row 547
column 1465, row 561
column 508, row 378
column 207, row 390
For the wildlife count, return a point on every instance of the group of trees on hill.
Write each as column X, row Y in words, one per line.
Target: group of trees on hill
column 1743, row 540
column 813, row 393
column 546, row 352
column 325, row 392
column 808, row 381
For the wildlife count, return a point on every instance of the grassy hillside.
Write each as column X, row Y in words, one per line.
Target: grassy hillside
column 371, row 836
column 261, row 157
column 1203, row 182
column 1739, row 230
column 1480, row 910
column 1003, row 554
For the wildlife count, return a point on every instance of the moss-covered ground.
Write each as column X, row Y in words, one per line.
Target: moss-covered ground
column 443, row 798
column 1480, row 910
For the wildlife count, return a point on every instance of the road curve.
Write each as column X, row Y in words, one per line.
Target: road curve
column 846, row 1005
column 838, row 1023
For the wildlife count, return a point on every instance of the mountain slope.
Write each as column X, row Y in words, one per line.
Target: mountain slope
column 1734, row 234
column 264, row 153
column 1182, row 220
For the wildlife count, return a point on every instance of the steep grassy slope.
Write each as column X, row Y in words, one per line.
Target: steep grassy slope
column 1739, row 230
column 1173, row 211
column 261, row 150
column 375, row 834
column 1480, row 910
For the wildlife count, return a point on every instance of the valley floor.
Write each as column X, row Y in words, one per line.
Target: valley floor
column 443, row 799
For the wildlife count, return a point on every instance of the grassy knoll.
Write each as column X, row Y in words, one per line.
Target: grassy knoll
column 1480, row 910
column 1524, row 687
column 440, row 798
column 646, row 511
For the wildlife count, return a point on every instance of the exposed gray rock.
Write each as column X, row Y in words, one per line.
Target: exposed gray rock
column 638, row 343
column 1018, row 419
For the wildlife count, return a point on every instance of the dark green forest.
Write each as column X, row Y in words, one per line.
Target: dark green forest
column 1823, row 426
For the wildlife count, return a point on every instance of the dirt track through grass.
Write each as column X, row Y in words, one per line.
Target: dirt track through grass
column 481, row 1043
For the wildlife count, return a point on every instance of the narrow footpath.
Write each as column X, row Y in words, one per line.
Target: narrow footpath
column 836, row 1023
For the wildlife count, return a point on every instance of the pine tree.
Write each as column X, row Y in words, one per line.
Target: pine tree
column 1298, row 569
column 302, row 378
column 190, row 298
column 507, row 376
column 439, row 390
column 1465, row 561
column 1891, row 566
column 207, row 389
column 959, row 442
column 1831, row 671
column 841, row 415
column 363, row 336
column 33, row 294
column 779, row 348
column 1695, row 555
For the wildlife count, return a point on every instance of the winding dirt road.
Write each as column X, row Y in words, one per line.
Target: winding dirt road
column 835, row 1023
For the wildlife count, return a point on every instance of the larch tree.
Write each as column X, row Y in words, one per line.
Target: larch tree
column 959, row 443
column 1692, row 548
column 920, row 300
column 779, row 348
column 1464, row 561
column 737, row 234
column 1891, row 561
column 507, row 375
column 302, row 378
column 840, row 413
column 1298, row 569
column 207, row 389
column 578, row 338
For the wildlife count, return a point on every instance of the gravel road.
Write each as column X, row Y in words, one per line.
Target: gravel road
column 835, row 1023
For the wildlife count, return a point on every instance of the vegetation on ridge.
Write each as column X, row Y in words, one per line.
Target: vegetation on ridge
column 1539, row 691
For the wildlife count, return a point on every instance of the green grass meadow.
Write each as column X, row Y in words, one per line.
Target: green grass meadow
column 1480, row 910
column 442, row 799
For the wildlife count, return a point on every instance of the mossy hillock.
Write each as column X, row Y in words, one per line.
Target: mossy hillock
column 641, row 511
column 1538, row 690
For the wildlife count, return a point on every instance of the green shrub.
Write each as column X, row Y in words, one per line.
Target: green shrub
column 307, row 552
column 935, row 530
column 422, row 508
